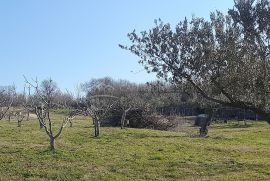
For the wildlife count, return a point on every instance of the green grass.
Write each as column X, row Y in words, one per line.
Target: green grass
column 230, row 152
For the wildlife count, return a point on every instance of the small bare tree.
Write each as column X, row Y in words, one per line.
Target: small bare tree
column 26, row 98
column 98, row 108
column 6, row 100
column 70, row 116
column 70, row 119
column 10, row 114
column 124, row 121
column 20, row 116
column 130, row 96
column 45, row 94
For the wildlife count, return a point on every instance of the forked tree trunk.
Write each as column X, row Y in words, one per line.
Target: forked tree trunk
column 123, row 119
column 52, row 141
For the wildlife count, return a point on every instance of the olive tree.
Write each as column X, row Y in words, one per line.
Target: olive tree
column 226, row 59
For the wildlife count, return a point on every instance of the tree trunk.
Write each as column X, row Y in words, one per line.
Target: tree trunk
column 97, row 126
column 9, row 117
column 52, row 146
column 203, row 120
column 70, row 123
column 19, row 123
column 123, row 119
column 40, row 125
column 28, row 115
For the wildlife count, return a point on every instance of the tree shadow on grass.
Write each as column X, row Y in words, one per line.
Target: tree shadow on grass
column 140, row 136
column 232, row 126
column 55, row 153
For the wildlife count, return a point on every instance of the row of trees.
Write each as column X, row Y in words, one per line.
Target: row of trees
column 225, row 59
column 154, row 94
column 104, row 97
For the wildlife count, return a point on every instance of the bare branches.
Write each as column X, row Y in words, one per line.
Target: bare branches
column 6, row 101
column 98, row 107
column 35, row 85
column 64, row 123
column 43, row 104
column 20, row 117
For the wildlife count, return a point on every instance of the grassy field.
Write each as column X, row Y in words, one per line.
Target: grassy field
column 230, row 152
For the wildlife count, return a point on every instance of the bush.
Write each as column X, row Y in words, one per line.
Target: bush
column 158, row 122
column 138, row 118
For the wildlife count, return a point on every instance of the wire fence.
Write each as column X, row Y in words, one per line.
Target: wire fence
column 221, row 113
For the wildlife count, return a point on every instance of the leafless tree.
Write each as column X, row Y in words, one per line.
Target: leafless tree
column 131, row 96
column 98, row 107
column 10, row 114
column 70, row 119
column 20, row 116
column 6, row 100
column 44, row 93
column 70, row 116
column 130, row 101
column 124, row 121
column 27, row 97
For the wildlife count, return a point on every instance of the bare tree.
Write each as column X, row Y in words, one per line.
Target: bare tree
column 70, row 119
column 26, row 96
column 10, row 114
column 33, row 102
column 6, row 100
column 70, row 116
column 98, row 108
column 125, row 109
column 127, row 102
column 45, row 94
column 124, row 92
column 20, row 116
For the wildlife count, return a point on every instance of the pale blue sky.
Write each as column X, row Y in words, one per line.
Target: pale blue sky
column 72, row 41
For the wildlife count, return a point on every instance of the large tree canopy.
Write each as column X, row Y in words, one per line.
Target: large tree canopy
column 226, row 58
